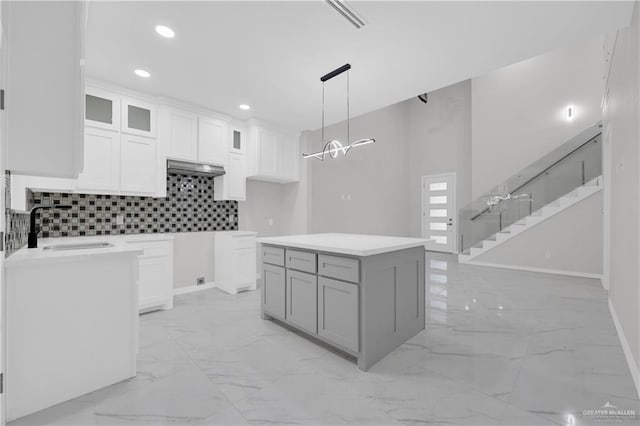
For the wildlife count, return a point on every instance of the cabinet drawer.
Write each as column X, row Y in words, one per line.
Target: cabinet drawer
column 273, row 255
column 151, row 249
column 247, row 241
column 342, row 268
column 301, row 261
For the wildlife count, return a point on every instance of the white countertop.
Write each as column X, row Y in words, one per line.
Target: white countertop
column 27, row 256
column 349, row 244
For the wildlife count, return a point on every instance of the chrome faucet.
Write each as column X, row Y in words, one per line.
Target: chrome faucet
column 33, row 229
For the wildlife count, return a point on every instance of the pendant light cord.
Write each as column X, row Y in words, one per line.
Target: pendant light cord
column 348, row 118
column 323, row 112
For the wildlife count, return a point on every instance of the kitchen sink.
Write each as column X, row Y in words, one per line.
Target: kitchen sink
column 78, row 246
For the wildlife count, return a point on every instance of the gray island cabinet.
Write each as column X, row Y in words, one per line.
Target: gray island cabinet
column 362, row 294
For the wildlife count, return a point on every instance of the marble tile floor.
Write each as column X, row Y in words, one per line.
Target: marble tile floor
column 501, row 348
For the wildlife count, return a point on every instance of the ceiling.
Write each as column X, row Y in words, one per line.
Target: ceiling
column 271, row 55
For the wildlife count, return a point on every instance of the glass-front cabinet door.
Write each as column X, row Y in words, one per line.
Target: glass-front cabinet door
column 138, row 117
column 102, row 109
column 237, row 140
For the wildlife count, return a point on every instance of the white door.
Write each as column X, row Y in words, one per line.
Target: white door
column 139, row 165
column 212, row 141
column 439, row 212
column 101, row 161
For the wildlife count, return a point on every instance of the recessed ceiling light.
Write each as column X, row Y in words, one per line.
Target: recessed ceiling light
column 165, row 31
column 244, row 107
column 142, row 73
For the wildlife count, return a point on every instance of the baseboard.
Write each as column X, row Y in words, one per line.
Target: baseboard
column 190, row 289
column 542, row 270
column 633, row 366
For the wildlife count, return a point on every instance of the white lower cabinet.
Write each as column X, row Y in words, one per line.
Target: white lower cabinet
column 101, row 161
column 155, row 275
column 139, row 165
column 235, row 261
column 338, row 312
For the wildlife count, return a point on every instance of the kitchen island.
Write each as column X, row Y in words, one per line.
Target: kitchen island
column 362, row 294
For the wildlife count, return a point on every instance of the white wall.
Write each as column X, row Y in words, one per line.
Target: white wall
column 382, row 180
column 517, row 111
column 621, row 118
column 440, row 142
column 569, row 242
column 365, row 192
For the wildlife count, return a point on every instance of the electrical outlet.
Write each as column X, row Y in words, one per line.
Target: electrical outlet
column 200, row 281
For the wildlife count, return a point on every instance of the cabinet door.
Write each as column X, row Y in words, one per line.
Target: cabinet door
column 101, row 161
column 102, row 109
column 302, row 297
column 138, row 117
column 273, row 290
column 267, row 153
column 237, row 140
column 182, row 135
column 289, row 159
column 245, row 262
column 338, row 311
column 154, row 282
column 237, row 177
column 139, row 165
column 212, row 141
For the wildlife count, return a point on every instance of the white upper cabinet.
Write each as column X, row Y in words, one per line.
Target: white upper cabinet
column 101, row 162
column 272, row 155
column 289, row 159
column 45, row 87
column 212, row 141
column 180, row 133
column 233, row 184
column 237, row 139
column 102, row 109
column 138, row 166
column 138, row 117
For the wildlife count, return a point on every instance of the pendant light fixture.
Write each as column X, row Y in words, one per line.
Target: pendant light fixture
column 334, row 147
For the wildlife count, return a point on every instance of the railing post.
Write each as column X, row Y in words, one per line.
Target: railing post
column 583, row 175
column 500, row 222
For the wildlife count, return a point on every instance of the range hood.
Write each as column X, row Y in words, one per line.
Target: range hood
column 193, row 169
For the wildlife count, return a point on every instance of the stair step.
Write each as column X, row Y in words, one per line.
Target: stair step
column 534, row 218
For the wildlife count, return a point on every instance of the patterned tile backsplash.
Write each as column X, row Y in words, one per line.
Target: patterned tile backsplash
column 188, row 207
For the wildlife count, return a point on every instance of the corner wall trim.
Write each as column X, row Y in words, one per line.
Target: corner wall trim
column 542, row 270
column 633, row 366
column 192, row 288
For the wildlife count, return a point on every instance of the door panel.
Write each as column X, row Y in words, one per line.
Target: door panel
column 338, row 310
column 302, row 293
column 212, row 142
column 139, row 165
column 273, row 290
column 439, row 212
column 101, row 161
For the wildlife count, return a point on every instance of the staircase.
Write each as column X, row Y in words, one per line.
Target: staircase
column 577, row 195
column 562, row 178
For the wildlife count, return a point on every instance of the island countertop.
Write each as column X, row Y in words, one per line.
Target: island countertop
column 349, row 244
